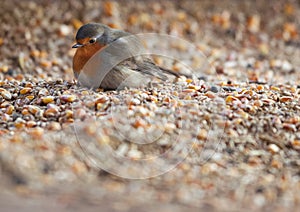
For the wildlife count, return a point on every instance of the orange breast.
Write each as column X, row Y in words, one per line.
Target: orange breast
column 82, row 56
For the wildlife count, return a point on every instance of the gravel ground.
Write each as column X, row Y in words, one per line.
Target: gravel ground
column 229, row 141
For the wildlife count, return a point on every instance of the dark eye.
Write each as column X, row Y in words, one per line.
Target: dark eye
column 93, row 40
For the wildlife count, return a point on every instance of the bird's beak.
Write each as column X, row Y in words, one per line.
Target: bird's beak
column 77, row 45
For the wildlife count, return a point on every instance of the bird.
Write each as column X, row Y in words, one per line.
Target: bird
column 109, row 58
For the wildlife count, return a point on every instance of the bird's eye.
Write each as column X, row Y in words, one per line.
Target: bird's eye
column 93, row 40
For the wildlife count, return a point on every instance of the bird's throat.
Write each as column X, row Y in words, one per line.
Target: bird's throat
column 83, row 55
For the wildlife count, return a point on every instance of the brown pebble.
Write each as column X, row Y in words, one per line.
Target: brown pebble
column 210, row 94
column 286, row 98
column 230, row 99
column 10, row 109
column 51, row 111
column 33, row 109
column 30, row 97
column 69, row 113
column 31, row 124
column 19, row 123
column 101, row 99
column 25, row 90
column 68, row 98
column 289, row 127
column 47, row 99
column 25, row 112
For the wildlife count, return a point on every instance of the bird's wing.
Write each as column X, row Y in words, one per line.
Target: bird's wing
column 143, row 66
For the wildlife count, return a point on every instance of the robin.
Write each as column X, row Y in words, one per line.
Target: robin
column 97, row 61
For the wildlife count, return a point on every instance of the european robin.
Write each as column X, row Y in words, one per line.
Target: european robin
column 112, row 46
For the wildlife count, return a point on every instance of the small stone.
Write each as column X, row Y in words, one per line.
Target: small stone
column 273, row 148
column 214, row 89
column 286, row 98
column 31, row 124
column 68, row 98
column 210, row 94
column 10, row 109
column 69, row 113
column 33, row 109
column 25, row 90
column 289, row 127
column 259, row 87
column 47, row 99
column 135, row 101
column 19, row 123
column 64, row 30
column 52, row 110
column 30, row 97
column 230, row 99
column 6, row 95
column 43, row 92
column 194, row 87
column 25, row 112
column 274, row 88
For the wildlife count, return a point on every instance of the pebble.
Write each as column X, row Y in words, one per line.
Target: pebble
column 47, row 99
column 68, row 98
column 5, row 94
column 214, row 89
column 33, row 109
column 25, row 90
column 273, row 148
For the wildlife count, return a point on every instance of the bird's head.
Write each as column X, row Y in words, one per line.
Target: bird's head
column 91, row 34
